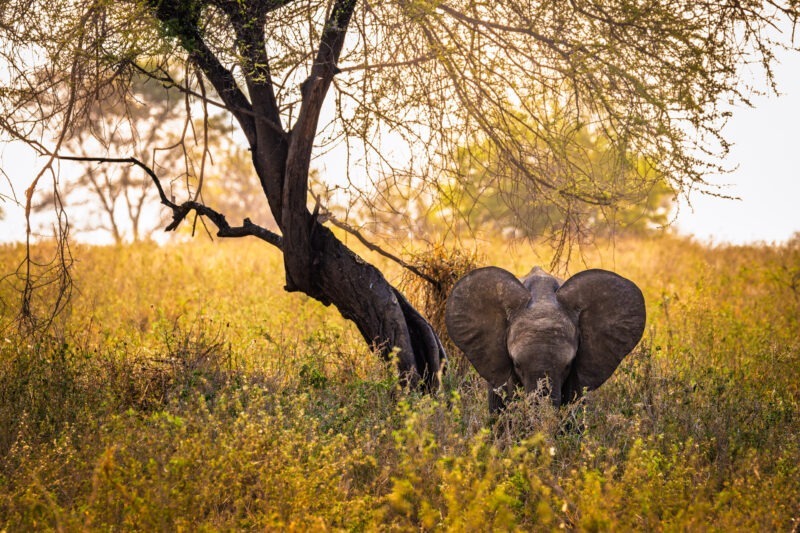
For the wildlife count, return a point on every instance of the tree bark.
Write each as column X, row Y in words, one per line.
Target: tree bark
column 382, row 314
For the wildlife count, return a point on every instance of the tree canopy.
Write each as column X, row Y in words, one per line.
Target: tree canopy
column 404, row 86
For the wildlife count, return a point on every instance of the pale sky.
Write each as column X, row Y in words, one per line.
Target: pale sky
column 767, row 178
column 767, row 153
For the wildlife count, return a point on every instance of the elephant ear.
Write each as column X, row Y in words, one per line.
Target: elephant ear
column 610, row 315
column 477, row 316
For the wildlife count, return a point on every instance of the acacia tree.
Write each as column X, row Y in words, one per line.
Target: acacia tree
column 299, row 75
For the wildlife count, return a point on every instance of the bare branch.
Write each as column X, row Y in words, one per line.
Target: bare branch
column 180, row 211
column 323, row 215
column 389, row 64
column 247, row 229
column 553, row 44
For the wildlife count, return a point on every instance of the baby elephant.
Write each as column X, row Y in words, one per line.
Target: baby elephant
column 515, row 332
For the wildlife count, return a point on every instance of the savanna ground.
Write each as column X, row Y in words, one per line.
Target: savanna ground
column 185, row 390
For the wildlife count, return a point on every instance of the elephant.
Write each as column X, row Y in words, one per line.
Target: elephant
column 518, row 332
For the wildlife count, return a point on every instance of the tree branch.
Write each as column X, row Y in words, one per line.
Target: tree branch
column 180, row 211
column 225, row 84
column 377, row 66
column 170, row 83
column 182, row 20
column 247, row 229
column 375, row 248
column 295, row 218
column 248, row 19
column 554, row 45
column 261, row 7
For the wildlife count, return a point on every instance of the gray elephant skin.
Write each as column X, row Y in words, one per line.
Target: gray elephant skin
column 518, row 332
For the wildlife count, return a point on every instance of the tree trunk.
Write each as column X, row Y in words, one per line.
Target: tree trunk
column 318, row 264
column 382, row 314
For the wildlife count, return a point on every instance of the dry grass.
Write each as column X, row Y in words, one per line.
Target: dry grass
column 186, row 390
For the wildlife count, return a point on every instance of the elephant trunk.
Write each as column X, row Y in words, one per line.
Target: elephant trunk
column 545, row 387
column 555, row 393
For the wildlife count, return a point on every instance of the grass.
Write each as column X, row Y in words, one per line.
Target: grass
column 185, row 390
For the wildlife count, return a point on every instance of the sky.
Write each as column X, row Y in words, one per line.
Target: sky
column 765, row 153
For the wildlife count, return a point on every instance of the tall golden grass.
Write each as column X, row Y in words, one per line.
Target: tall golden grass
column 184, row 390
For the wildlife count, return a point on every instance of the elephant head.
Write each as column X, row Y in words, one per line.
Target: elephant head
column 574, row 333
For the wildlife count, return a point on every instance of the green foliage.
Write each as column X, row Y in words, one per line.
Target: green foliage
column 459, row 482
column 180, row 20
column 598, row 186
column 186, row 390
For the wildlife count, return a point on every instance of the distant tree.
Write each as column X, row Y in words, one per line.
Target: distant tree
column 124, row 120
column 297, row 76
column 487, row 189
